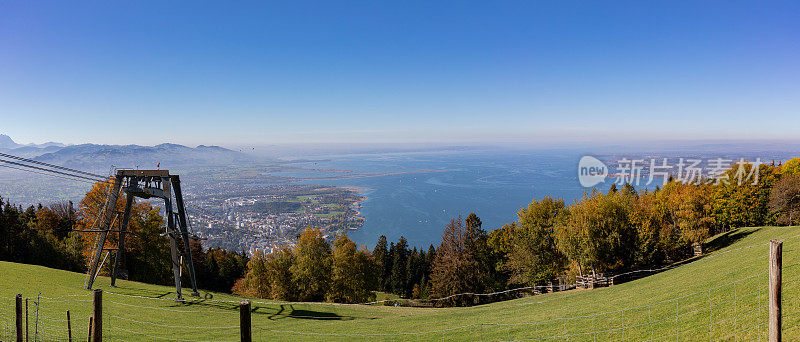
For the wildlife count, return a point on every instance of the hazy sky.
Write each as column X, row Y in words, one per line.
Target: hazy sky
column 398, row 71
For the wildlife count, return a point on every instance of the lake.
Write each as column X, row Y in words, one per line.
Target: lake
column 493, row 184
column 416, row 194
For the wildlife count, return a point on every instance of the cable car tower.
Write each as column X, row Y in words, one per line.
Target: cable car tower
column 144, row 184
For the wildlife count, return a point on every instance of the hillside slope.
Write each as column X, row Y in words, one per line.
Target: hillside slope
column 719, row 297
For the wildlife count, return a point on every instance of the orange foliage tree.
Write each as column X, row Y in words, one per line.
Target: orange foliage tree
column 146, row 255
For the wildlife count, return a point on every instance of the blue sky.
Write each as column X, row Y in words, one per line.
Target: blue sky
column 398, row 71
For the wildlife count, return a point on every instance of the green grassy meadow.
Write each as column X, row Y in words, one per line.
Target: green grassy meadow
column 719, row 297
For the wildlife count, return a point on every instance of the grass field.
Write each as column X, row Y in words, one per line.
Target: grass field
column 721, row 296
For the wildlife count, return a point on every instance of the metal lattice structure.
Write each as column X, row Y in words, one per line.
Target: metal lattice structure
column 144, row 184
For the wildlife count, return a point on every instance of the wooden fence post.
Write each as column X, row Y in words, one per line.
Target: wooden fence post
column 97, row 335
column 244, row 321
column 19, row 317
column 27, row 323
column 89, row 334
column 69, row 328
column 775, row 256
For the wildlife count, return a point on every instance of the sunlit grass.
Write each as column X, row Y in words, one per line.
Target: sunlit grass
column 718, row 297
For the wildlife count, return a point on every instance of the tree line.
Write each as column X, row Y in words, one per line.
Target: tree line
column 40, row 235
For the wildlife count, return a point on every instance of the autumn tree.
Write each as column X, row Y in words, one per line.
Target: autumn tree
column 533, row 257
column 256, row 281
column 597, row 233
column 279, row 265
column 741, row 199
column 502, row 239
column 654, row 237
column 352, row 271
column 57, row 219
column 791, row 167
column 267, row 275
column 311, row 271
column 784, row 199
column 688, row 212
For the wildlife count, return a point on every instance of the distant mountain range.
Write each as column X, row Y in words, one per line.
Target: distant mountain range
column 7, row 143
column 101, row 157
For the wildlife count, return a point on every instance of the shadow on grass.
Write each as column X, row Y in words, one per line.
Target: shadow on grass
column 726, row 239
column 136, row 291
column 272, row 311
column 714, row 244
column 288, row 311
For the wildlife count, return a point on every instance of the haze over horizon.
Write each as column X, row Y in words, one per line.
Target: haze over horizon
column 350, row 72
column 294, row 150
